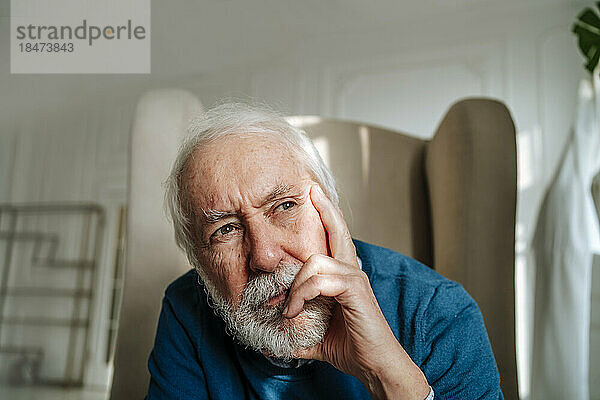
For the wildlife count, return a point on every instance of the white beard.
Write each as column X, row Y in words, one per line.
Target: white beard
column 263, row 327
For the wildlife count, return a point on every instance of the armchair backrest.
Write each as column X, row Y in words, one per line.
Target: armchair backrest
column 449, row 202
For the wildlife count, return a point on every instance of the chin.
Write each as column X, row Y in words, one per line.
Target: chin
column 269, row 332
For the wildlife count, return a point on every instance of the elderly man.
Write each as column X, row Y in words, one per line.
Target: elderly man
column 299, row 308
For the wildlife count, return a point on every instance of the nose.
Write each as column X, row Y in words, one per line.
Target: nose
column 265, row 247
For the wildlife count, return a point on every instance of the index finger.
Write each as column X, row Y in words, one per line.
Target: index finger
column 340, row 240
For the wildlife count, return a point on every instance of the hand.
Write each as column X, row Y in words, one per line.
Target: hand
column 359, row 341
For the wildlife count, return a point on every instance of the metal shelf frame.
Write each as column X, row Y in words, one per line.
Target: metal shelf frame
column 80, row 316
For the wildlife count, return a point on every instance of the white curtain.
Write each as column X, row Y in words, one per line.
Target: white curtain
column 566, row 234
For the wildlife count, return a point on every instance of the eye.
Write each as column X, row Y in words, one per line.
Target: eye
column 286, row 205
column 224, row 230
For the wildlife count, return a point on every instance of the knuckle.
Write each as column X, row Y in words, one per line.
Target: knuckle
column 360, row 279
column 316, row 280
column 347, row 235
column 315, row 261
column 365, row 279
column 356, row 281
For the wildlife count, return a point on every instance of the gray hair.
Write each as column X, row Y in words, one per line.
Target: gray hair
column 231, row 119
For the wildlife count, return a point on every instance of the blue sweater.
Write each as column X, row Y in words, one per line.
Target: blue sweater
column 436, row 321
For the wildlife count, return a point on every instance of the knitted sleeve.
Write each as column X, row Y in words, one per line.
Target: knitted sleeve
column 458, row 358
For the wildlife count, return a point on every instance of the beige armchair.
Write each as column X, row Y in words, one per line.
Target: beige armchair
column 449, row 202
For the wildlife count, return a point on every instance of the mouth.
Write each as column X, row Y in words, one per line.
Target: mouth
column 278, row 299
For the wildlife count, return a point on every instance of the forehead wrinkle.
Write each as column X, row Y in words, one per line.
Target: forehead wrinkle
column 279, row 190
column 211, row 216
column 207, row 169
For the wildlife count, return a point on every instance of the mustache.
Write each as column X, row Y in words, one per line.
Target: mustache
column 264, row 286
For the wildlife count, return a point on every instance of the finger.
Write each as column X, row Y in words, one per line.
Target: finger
column 340, row 240
column 320, row 264
column 316, row 285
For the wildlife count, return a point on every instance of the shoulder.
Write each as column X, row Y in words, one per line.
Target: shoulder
column 414, row 297
column 385, row 263
column 416, row 280
column 186, row 310
column 437, row 322
column 183, row 288
column 187, row 299
column 183, row 284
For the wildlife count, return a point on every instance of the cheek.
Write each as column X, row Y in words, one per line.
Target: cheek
column 227, row 269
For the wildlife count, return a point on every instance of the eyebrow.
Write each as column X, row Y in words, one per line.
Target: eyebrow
column 278, row 191
column 213, row 216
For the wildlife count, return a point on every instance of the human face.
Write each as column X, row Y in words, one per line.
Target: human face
column 254, row 213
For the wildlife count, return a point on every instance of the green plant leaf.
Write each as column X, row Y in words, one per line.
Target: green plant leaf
column 587, row 40
column 594, row 56
column 587, row 30
column 589, row 17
